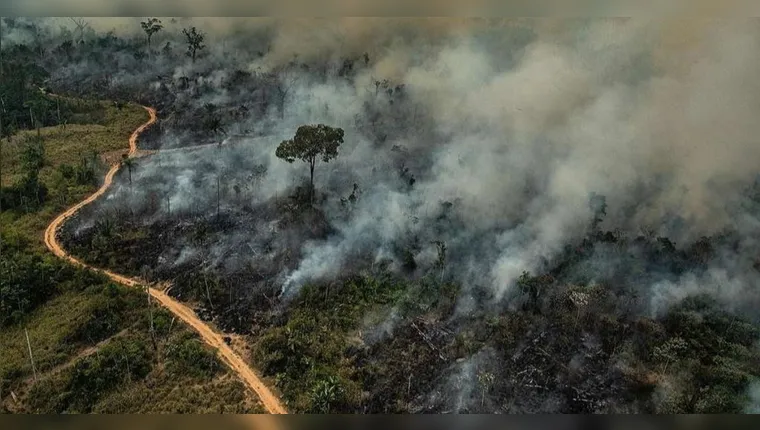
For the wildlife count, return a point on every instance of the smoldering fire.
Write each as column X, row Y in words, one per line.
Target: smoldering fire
column 486, row 135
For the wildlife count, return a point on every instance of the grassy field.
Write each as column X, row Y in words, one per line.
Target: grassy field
column 93, row 349
column 107, row 132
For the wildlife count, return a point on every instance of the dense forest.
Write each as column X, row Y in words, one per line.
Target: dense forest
column 438, row 215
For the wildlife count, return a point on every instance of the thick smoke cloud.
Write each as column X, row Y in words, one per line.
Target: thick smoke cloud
column 296, row 8
column 513, row 122
column 571, row 117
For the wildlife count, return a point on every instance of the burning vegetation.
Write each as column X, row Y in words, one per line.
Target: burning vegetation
column 511, row 216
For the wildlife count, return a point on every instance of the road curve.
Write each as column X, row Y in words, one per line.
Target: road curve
column 212, row 338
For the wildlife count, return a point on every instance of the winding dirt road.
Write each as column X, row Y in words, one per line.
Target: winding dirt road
column 212, row 338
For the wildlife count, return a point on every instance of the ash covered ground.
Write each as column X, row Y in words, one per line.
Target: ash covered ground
column 525, row 215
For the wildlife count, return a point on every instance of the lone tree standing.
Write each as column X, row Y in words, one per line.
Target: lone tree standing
column 151, row 27
column 310, row 143
column 194, row 41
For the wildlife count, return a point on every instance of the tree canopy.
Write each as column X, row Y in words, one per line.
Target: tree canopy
column 151, row 27
column 311, row 143
column 194, row 41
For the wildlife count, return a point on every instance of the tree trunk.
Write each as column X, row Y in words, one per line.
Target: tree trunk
column 311, row 182
column 37, row 187
column 129, row 376
column 150, row 314
column 31, row 357
column 208, row 294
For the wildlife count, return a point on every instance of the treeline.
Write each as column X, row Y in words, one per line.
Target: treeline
column 105, row 65
column 25, row 104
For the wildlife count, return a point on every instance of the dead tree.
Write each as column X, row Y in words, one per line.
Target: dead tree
column 31, row 356
column 150, row 315
column 81, row 24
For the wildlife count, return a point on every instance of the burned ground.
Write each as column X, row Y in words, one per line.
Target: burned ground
column 520, row 219
column 575, row 339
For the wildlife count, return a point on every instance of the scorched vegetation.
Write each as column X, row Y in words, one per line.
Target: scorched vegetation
column 498, row 215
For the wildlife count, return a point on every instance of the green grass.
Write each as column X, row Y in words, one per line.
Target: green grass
column 82, row 329
column 126, row 374
column 65, row 147
column 165, row 397
column 309, row 355
column 48, row 329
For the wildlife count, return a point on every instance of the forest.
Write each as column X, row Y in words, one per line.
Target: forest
column 387, row 215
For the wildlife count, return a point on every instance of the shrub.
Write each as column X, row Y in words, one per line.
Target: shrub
column 187, row 355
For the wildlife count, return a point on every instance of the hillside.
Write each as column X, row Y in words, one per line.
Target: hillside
column 91, row 341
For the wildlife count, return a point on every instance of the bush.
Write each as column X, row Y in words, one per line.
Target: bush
column 26, row 281
column 325, row 394
column 187, row 355
column 104, row 321
column 28, row 194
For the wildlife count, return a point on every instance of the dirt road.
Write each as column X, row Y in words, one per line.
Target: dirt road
column 212, row 338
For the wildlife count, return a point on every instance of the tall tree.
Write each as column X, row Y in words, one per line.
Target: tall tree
column 33, row 156
column 283, row 82
column 81, row 24
column 32, row 161
column 38, row 109
column 194, row 41
column 311, row 142
column 151, row 27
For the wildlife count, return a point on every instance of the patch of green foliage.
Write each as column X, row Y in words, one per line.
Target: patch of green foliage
column 26, row 281
column 91, row 342
column 127, row 371
column 92, row 377
column 708, row 359
column 92, row 348
column 187, row 355
column 695, row 359
column 312, row 355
